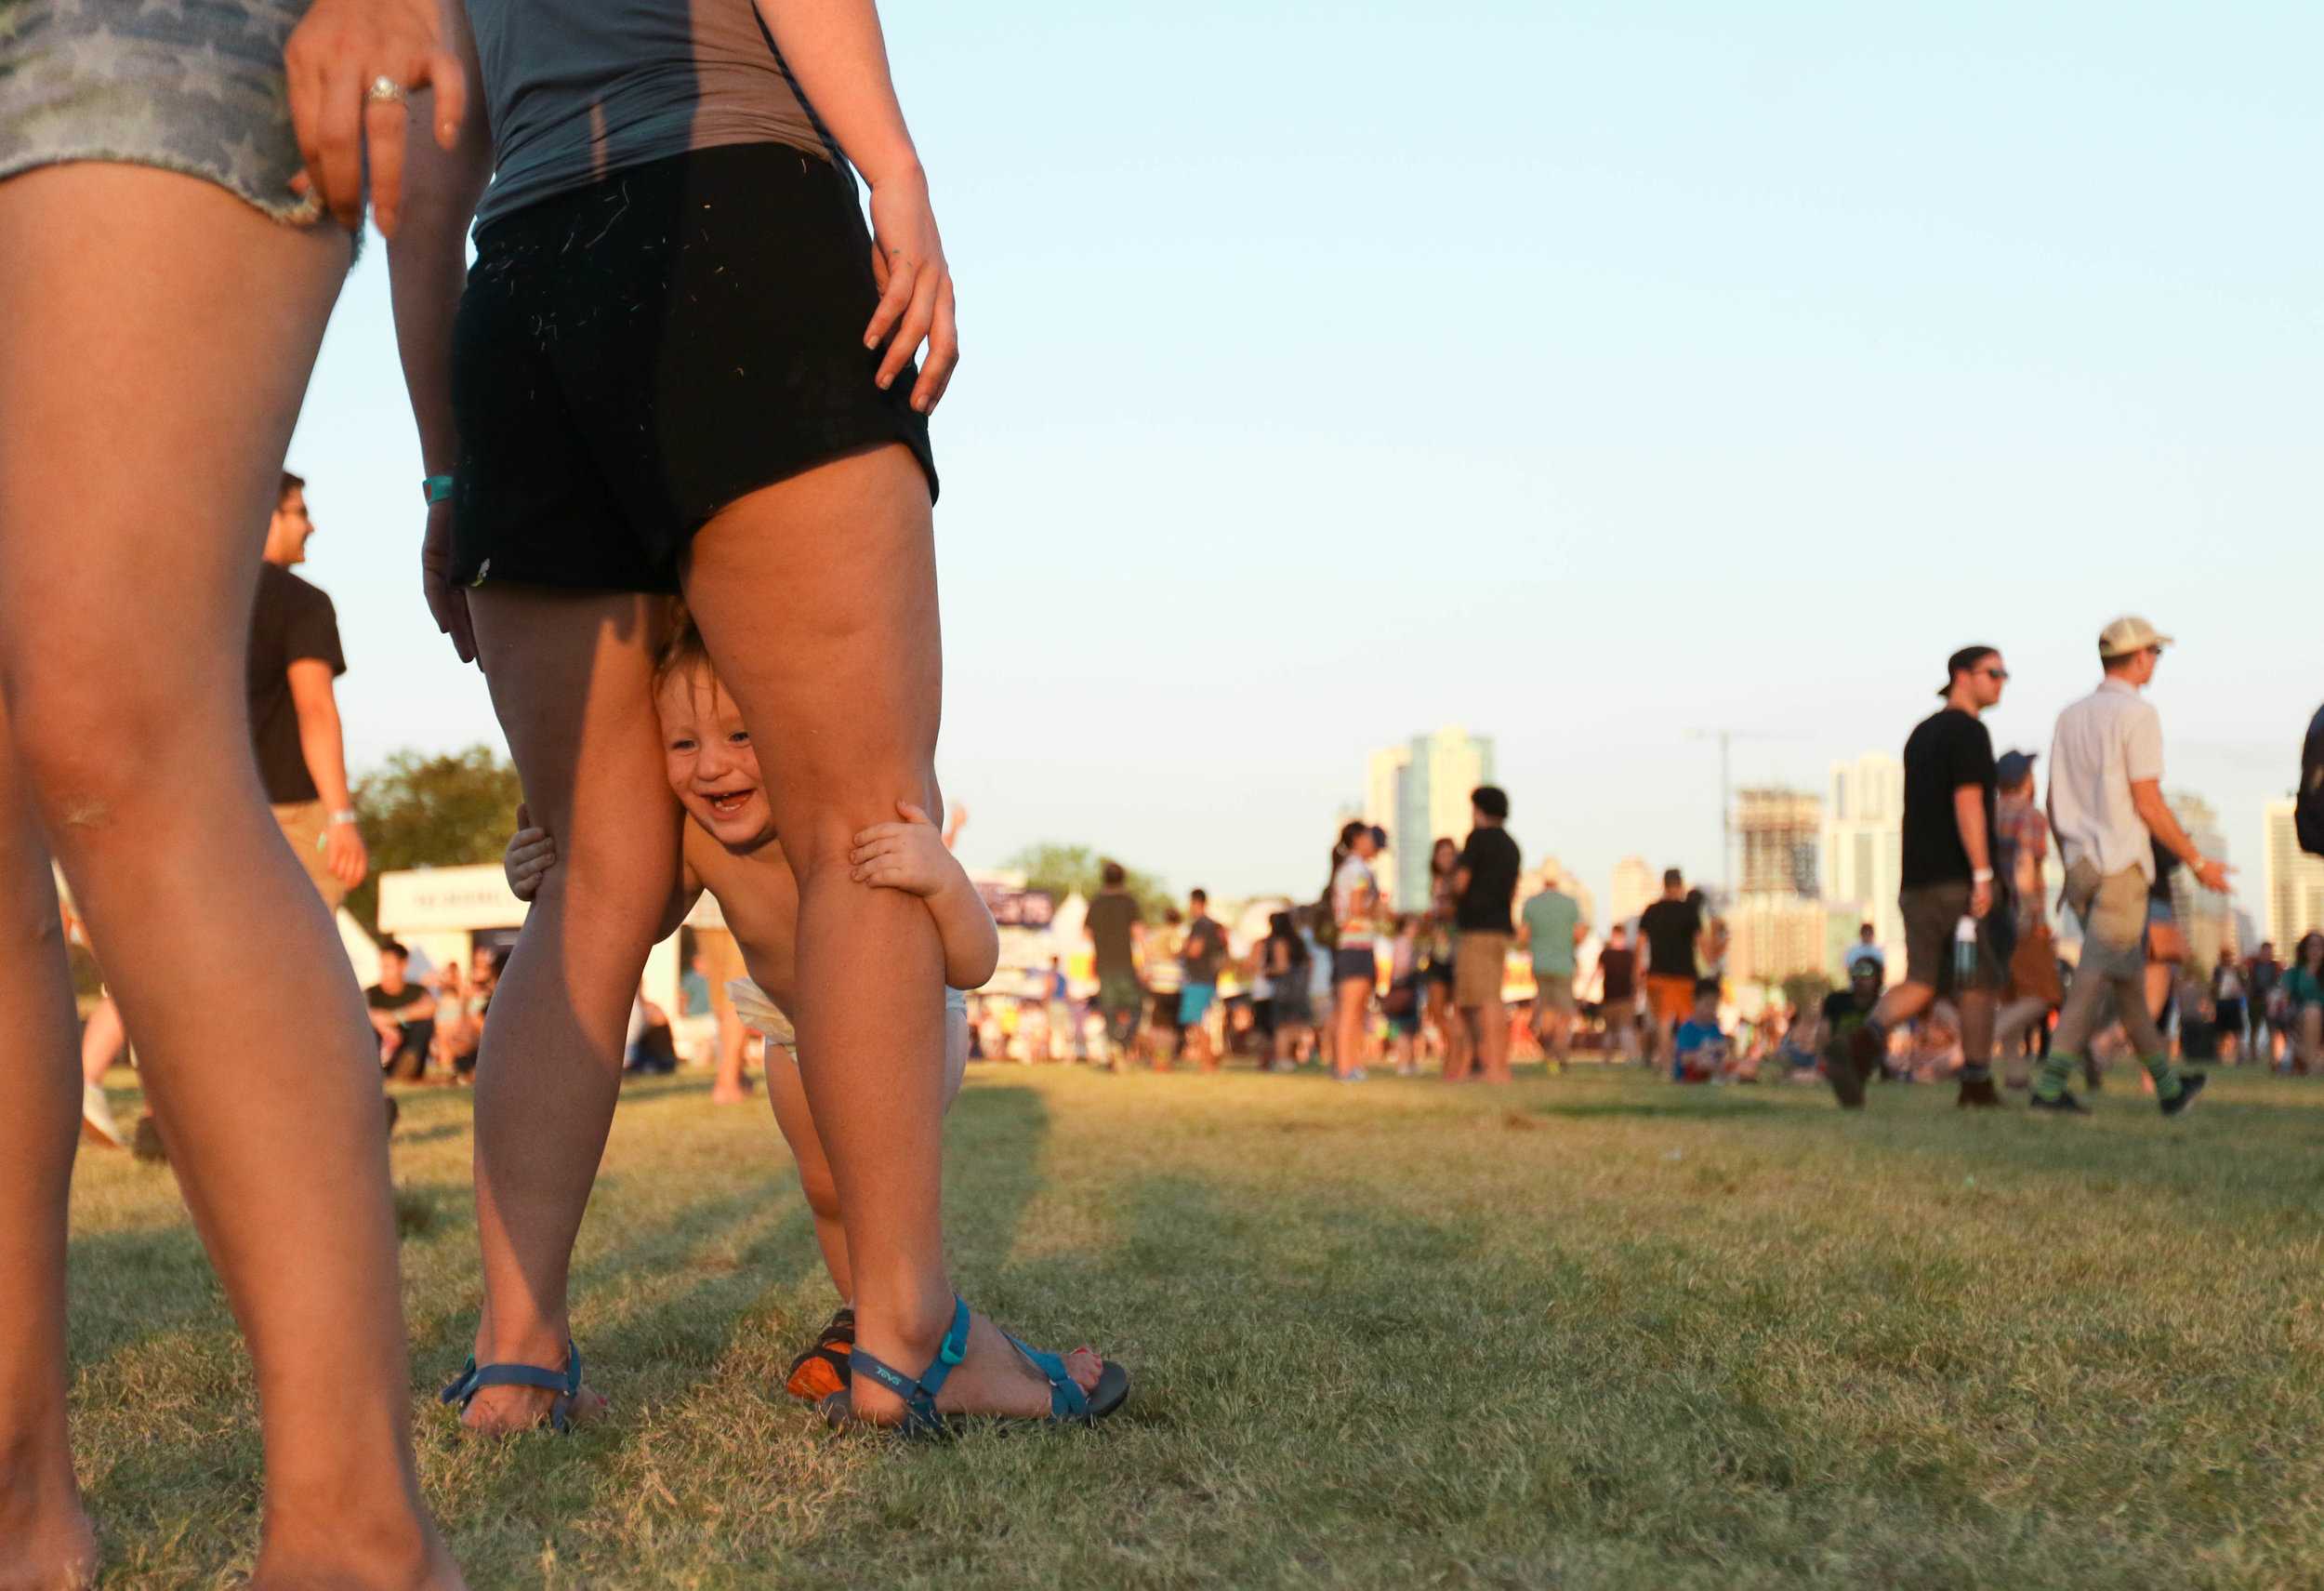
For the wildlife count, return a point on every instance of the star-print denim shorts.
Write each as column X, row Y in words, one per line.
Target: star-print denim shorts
column 190, row 85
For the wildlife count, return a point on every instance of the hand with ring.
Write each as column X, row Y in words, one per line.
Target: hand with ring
column 352, row 64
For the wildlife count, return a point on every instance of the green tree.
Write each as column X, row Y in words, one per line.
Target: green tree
column 422, row 811
column 1063, row 870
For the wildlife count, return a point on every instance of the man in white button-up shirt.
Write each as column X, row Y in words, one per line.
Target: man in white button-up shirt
column 2107, row 812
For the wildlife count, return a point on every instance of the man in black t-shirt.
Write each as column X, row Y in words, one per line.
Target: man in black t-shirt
column 1617, row 994
column 1947, row 879
column 1200, row 956
column 294, row 716
column 404, row 1013
column 1114, row 930
column 1485, row 886
column 1668, row 932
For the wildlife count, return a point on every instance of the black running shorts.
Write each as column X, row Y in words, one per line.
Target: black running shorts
column 632, row 356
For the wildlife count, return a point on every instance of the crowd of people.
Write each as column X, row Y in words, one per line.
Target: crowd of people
column 1346, row 982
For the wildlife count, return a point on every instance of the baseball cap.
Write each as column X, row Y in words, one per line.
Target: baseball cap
column 2013, row 766
column 2128, row 634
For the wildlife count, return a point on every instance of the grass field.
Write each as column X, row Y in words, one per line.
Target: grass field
column 1588, row 1331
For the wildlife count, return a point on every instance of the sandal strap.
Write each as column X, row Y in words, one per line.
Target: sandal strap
column 475, row 1378
column 1066, row 1401
column 918, row 1392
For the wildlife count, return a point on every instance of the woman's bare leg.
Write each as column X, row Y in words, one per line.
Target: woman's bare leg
column 572, row 681
column 160, row 335
column 44, row 1537
column 817, row 599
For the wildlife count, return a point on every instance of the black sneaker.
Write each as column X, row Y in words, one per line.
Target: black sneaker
column 1976, row 1094
column 1847, row 1083
column 2190, row 1084
column 2063, row 1104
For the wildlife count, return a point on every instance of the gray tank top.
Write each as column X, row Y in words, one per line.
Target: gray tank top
column 580, row 88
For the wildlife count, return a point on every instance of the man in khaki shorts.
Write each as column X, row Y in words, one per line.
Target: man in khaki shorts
column 294, row 715
column 2107, row 814
column 1485, row 884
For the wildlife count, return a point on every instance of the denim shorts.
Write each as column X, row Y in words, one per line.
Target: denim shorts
column 194, row 87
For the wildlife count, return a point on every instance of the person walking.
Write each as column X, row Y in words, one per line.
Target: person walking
column 165, row 291
column 1201, row 957
column 2021, row 842
column 1485, row 884
column 1355, row 910
column 1670, row 932
column 2303, row 1004
column 1617, row 994
column 1951, row 890
column 2108, row 811
column 1116, row 930
column 2263, row 978
column 1551, row 929
column 1437, row 1013
column 294, row 729
column 1285, row 953
column 2226, row 995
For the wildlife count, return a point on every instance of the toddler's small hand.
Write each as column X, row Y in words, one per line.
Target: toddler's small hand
column 908, row 856
column 530, row 854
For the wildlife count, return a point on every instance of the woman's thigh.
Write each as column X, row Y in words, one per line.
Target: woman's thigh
column 572, row 679
column 816, row 597
column 160, row 335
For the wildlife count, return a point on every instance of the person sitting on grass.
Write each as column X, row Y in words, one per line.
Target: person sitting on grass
column 730, row 850
column 1702, row 1053
column 1846, row 1010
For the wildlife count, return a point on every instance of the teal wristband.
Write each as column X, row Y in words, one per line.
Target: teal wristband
column 438, row 488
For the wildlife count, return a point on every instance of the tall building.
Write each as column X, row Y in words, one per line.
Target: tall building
column 1419, row 792
column 2208, row 920
column 2295, row 883
column 1774, row 936
column 1777, row 832
column 1634, row 889
column 1864, row 845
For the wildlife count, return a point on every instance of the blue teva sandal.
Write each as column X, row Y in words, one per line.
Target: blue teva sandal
column 1068, row 1405
column 565, row 1382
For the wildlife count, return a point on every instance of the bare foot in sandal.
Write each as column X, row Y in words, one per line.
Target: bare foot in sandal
column 991, row 1377
column 507, row 1396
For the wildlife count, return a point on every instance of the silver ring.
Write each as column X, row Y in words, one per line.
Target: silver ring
column 385, row 90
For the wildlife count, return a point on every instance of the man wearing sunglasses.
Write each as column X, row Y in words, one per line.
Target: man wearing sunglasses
column 1948, row 880
column 2107, row 810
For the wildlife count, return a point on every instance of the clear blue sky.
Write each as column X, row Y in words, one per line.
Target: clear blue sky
column 1580, row 374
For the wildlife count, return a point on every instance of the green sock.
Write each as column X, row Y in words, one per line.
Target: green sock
column 2166, row 1076
column 2054, row 1071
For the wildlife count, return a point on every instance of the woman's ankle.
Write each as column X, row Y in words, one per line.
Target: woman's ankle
column 386, row 1543
column 46, row 1539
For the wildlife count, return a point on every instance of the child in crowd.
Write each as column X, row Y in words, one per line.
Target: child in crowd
column 1702, row 1053
column 730, row 850
column 1403, row 995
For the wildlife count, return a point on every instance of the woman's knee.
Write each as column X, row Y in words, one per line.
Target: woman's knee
column 96, row 754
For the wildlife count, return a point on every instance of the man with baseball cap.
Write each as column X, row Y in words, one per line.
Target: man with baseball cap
column 1948, row 884
column 2108, row 811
